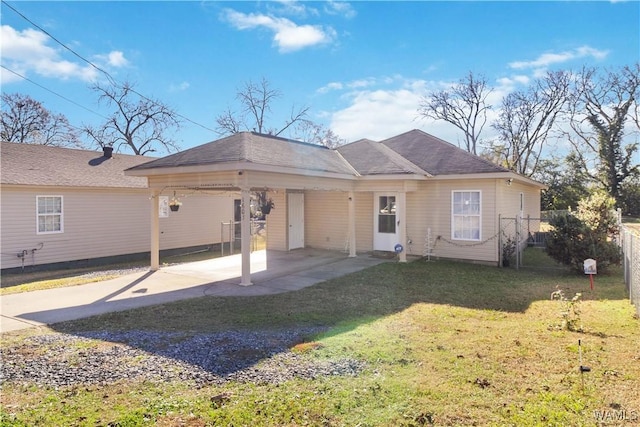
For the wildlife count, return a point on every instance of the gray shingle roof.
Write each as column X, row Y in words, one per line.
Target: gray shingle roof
column 28, row 164
column 372, row 158
column 251, row 147
column 413, row 152
column 438, row 157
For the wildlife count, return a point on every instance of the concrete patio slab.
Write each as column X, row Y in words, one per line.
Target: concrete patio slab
column 272, row 272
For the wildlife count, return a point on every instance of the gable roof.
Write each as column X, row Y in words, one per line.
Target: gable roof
column 438, row 157
column 256, row 148
column 31, row 164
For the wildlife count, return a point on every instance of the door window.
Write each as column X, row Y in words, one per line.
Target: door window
column 387, row 214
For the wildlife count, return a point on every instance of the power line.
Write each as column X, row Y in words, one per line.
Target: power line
column 112, row 80
column 54, row 92
column 59, row 42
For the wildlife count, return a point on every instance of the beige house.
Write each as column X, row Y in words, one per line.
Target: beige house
column 65, row 205
column 413, row 194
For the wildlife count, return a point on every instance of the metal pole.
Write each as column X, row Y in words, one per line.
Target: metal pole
column 518, row 225
column 500, row 240
column 245, row 236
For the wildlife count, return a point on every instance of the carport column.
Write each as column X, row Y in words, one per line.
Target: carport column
column 155, row 230
column 402, row 223
column 245, row 236
column 352, row 224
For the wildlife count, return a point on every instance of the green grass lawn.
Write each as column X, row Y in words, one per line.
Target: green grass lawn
column 443, row 343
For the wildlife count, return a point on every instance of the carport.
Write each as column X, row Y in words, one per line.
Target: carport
column 248, row 162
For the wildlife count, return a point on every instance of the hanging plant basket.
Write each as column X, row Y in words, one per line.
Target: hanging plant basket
column 266, row 208
column 174, row 203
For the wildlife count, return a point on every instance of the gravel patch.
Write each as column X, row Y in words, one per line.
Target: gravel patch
column 101, row 358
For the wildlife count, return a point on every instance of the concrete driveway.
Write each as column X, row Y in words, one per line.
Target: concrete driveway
column 272, row 272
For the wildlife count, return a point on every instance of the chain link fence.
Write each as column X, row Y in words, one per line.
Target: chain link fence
column 630, row 243
column 520, row 238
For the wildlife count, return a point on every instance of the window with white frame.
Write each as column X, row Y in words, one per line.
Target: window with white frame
column 465, row 215
column 49, row 214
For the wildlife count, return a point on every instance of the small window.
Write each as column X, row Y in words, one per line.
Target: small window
column 49, row 214
column 465, row 215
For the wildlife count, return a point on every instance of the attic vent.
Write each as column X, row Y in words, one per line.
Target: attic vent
column 108, row 151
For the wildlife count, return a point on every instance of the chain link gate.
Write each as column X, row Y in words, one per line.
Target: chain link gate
column 519, row 236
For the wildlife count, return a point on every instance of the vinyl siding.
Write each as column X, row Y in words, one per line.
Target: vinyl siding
column 100, row 223
column 430, row 208
column 197, row 222
column 327, row 220
column 277, row 222
column 509, row 199
column 364, row 222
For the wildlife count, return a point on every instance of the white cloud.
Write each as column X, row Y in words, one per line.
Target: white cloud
column 381, row 114
column 342, row 8
column 117, row 59
column 288, row 36
column 330, row 87
column 291, row 7
column 179, row 87
column 378, row 114
column 547, row 59
column 362, row 83
column 355, row 84
column 27, row 51
column 114, row 59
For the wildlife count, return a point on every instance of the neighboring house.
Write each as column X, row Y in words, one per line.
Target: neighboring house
column 60, row 205
column 413, row 190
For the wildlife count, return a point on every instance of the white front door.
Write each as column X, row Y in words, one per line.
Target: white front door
column 295, row 204
column 386, row 230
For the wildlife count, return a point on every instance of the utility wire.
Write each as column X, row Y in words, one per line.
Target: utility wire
column 111, row 79
column 53, row 92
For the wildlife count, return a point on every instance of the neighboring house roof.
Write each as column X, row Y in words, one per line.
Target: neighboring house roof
column 30, row 164
column 251, row 147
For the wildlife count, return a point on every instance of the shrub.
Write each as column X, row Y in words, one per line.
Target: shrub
column 570, row 311
column 587, row 233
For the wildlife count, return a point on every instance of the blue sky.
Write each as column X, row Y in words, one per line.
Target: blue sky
column 360, row 66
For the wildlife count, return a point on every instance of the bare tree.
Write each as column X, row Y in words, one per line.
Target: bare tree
column 464, row 105
column 314, row 133
column 256, row 101
column 27, row 121
column 526, row 119
column 139, row 123
column 601, row 105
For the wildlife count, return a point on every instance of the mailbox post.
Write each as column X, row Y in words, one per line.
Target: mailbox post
column 590, row 269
